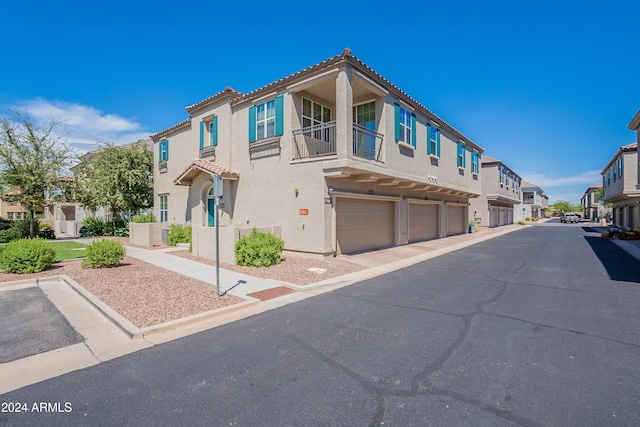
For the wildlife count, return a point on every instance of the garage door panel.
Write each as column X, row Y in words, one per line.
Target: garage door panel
column 364, row 224
column 455, row 221
column 423, row 222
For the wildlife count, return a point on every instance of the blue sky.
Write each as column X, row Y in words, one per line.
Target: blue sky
column 548, row 87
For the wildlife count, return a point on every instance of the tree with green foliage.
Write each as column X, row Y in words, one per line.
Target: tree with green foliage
column 33, row 156
column 119, row 177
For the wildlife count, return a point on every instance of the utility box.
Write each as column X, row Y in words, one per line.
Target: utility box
column 165, row 235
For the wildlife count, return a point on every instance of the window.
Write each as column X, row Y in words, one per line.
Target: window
column 164, row 208
column 462, row 158
column 620, row 167
column 364, row 143
column 433, row 141
column 266, row 120
column 615, row 171
column 475, row 162
column 314, row 113
column 501, row 174
column 209, row 132
column 405, row 126
column 609, row 177
column 163, row 151
column 10, row 216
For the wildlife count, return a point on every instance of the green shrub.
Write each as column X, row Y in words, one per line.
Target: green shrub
column 27, row 256
column 521, row 223
column 92, row 226
column 108, row 229
column 143, row 218
column 121, row 232
column 259, row 249
column 47, row 234
column 179, row 234
column 22, row 227
column 628, row 234
column 527, row 219
column 104, row 253
column 10, row 234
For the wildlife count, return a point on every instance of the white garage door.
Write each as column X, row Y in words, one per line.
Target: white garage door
column 503, row 216
column 364, row 224
column 423, row 222
column 509, row 215
column 456, row 223
column 493, row 217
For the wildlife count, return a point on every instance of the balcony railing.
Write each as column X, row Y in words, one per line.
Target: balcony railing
column 367, row 143
column 314, row 141
column 320, row 140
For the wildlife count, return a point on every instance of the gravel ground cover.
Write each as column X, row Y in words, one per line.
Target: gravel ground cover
column 144, row 294
column 292, row 270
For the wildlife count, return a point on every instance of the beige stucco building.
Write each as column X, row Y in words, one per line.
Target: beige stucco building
column 620, row 185
column 534, row 202
column 334, row 158
column 590, row 201
column 500, row 194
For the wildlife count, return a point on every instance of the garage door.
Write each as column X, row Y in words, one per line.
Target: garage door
column 493, row 217
column 456, row 223
column 509, row 215
column 364, row 224
column 423, row 222
column 503, row 216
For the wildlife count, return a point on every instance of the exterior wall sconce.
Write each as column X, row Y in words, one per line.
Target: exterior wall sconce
column 297, row 190
column 329, row 199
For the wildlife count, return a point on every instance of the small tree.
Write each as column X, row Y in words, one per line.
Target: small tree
column 120, row 177
column 32, row 158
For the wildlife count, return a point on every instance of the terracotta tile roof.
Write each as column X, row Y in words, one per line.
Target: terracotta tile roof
column 622, row 149
column 168, row 131
column 228, row 92
column 199, row 166
column 347, row 57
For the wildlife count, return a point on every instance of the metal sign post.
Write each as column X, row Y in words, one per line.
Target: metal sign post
column 217, row 193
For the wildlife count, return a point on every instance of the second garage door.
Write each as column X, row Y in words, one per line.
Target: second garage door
column 364, row 224
column 423, row 222
column 456, row 223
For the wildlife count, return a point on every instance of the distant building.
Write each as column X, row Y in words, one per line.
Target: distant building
column 534, row 202
column 500, row 194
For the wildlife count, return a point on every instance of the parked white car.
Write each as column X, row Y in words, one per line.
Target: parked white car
column 570, row 217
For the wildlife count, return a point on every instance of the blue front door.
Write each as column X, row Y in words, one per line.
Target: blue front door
column 211, row 206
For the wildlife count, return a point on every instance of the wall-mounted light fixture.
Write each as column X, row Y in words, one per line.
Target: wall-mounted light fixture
column 297, row 190
column 329, row 199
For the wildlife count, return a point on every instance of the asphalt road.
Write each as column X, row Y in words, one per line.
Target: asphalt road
column 537, row 327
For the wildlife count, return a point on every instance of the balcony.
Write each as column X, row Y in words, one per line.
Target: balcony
column 320, row 141
column 314, row 141
column 367, row 143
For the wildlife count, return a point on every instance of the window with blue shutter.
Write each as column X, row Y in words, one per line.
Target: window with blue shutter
column 266, row 120
column 461, row 162
column 475, row 162
column 163, row 151
column 405, row 126
column 433, row 141
column 615, row 170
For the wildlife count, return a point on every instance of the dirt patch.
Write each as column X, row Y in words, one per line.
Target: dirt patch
column 291, row 270
column 144, row 294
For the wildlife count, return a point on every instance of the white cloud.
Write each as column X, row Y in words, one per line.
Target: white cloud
column 87, row 125
column 586, row 179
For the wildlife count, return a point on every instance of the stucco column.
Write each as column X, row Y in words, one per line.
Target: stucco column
column 344, row 113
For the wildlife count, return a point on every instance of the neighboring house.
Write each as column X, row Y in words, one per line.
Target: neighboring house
column 534, row 202
column 620, row 186
column 67, row 217
column 12, row 210
column 334, row 158
column 591, row 207
column 500, row 194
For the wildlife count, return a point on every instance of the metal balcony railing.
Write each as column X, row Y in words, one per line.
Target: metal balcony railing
column 314, row 141
column 367, row 143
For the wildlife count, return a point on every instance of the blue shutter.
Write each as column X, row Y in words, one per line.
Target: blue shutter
column 429, row 139
column 413, row 130
column 201, row 134
column 464, row 157
column 279, row 115
column 214, row 131
column 160, row 151
column 396, row 109
column 252, row 123
column 438, row 142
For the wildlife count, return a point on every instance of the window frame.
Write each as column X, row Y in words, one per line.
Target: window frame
column 433, row 145
column 475, row 163
column 461, row 158
column 163, row 151
column 163, row 207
